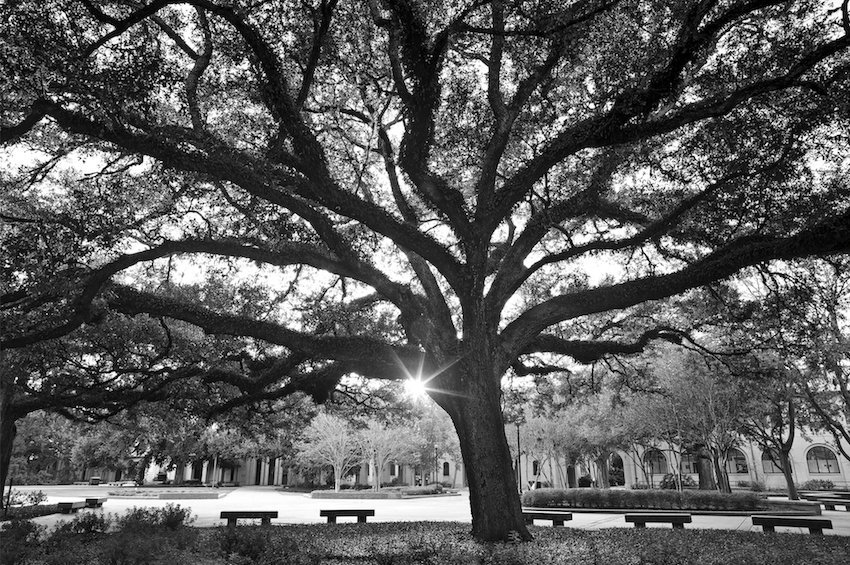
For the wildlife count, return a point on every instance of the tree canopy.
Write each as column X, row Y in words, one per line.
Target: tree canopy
column 397, row 188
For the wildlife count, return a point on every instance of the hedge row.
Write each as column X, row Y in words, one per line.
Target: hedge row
column 641, row 499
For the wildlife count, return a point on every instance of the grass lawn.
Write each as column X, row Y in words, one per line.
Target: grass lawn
column 414, row 543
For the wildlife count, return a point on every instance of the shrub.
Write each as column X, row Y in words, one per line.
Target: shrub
column 28, row 512
column 18, row 498
column 20, row 539
column 671, row 481
column 172, row 517
column 584, row 481
column 818, row 484
column 640, row 499
column 86, row 524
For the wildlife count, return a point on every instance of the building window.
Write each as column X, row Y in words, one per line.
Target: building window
column 535, row 468
column 737, row 462
column 445, row 468
column 821, row 460
column 689, row 463
column 655, row 462
column 770, row 462
column 393, row 469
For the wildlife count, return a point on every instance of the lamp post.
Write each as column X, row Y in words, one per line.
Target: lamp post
column 518, row 456
column 435, row 463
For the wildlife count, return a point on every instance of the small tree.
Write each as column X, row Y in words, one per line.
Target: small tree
column 381, row 445
column 330, row 440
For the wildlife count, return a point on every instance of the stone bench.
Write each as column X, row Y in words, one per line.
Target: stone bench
column 557, row 517
column 815, row 525
column 95, row 502
column 265, row 516
column 70, row 507
column 678, row 519
column 332, row 515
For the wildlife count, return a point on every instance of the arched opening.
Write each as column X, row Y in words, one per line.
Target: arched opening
column 770, row 462
column 736, row 462
column 655, row 462
column 446, row 468
column 821, row 459
column 616, row 470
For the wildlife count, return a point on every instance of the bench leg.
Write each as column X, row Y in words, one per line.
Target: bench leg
column 529, row 521
column 361, row 519
column 557, row 523
column 815, row 531
column 266, row 521
column 678, row 526
column 640, row 524
column 331, row 519
column 768, row 529
column 231, row 522
column 829, row 506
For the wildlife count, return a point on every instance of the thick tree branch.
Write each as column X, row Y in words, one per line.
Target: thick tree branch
column 352, row 349
column 826, row 238
column 585, row 351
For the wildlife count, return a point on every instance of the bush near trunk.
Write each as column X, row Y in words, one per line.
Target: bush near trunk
column 650, row 499
column 403, row 543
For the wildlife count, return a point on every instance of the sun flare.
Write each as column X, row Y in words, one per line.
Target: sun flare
column 416, row 388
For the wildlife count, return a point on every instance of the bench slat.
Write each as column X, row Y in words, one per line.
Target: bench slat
column 557, row 517
column 332, row 515
column 232, row 516
column 815, row 525
column 677, row 519
column 69, row 507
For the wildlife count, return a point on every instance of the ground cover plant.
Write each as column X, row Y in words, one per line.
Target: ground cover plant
column 143, row 539
column 651, row 498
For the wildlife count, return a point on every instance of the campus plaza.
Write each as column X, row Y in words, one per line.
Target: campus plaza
column 300, row 508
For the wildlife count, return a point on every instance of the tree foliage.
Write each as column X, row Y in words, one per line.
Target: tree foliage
column 396, row 187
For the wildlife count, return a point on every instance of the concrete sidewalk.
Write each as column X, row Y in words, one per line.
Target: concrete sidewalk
column 297, row 508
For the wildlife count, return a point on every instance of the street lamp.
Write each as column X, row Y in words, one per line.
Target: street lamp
column 518, row 455
column 435, row 463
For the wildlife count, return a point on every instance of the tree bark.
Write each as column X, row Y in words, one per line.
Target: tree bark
column 704, row 469
column 604, row 480
column 788, row 472
column 8, row 430
column 477, row 416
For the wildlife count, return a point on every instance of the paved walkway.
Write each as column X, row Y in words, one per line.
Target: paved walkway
column 297, row 508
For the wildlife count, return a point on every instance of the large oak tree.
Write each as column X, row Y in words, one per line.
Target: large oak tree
column 414, row 187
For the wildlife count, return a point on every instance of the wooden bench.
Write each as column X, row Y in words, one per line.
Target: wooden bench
column 558, row 517
column 830, row 503
column 815, row 525
column 265, row 516
column 95, row 502
column 678, row 519
column 332, row 515
column 69, row 507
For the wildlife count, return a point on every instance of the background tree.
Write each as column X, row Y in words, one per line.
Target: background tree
column 94, row 374
column 804, row 314
column 398, row 187
column 774, row 398
column 330, row 441
column 380, row 445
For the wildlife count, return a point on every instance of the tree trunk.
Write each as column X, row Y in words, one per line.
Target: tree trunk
column 477, row 416
column 604, row 476
column 179, row 471
column 704, row 469
column 788, row 472
column 8, row 430
column 722, row 476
